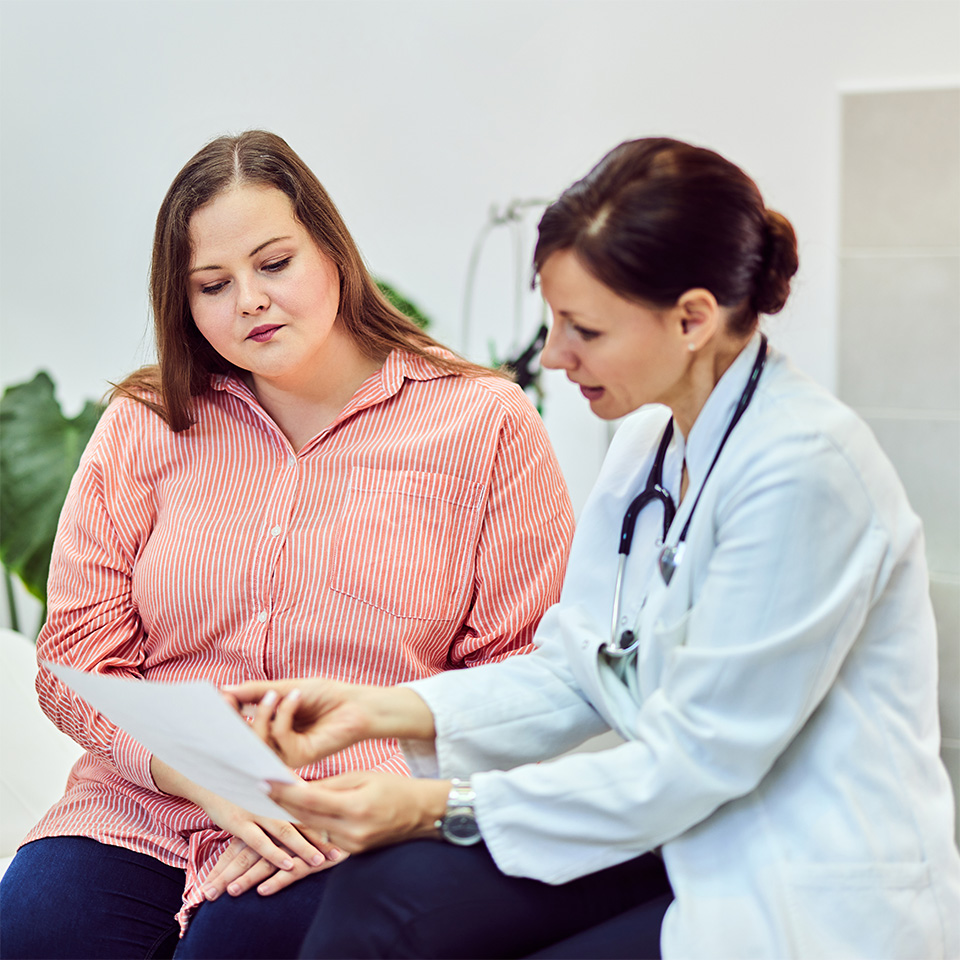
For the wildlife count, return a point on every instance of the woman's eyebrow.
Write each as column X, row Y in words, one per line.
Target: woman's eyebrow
column 253, row 253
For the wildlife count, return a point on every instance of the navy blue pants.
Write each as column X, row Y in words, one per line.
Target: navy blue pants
column 428, row 899
column 74, row 897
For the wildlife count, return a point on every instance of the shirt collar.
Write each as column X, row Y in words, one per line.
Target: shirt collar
column 385, row 383
column 710, row 425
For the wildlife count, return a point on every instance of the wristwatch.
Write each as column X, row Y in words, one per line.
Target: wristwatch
column 459, row 824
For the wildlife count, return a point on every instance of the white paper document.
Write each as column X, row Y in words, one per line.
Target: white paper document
column 190, row 727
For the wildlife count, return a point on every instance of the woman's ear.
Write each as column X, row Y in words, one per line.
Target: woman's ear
column 698, row 315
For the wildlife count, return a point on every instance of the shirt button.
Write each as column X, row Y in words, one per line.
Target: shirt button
column 275, row 532
column 291, row 461
column 262, row 616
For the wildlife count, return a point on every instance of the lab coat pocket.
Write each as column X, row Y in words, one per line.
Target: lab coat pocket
column 664, row 637
column 406, row 542
column 843, row 910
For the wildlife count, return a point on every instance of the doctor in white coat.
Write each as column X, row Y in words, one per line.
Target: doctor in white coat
column 746, row 605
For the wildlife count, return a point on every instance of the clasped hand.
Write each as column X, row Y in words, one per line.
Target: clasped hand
column 266, row 851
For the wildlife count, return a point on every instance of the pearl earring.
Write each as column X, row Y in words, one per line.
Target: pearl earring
column 691, row 347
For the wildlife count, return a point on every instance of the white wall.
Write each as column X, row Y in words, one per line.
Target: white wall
column 417, row 115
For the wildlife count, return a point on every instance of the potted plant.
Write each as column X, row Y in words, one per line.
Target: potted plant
column 39, row 452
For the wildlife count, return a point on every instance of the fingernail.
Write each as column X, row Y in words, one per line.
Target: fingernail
column 268, row 698
column 264, row 786
column 287, row 864
column 294, row 694
column 210, row 893
column 333, row 854
column 265, row 888
column 233, row 889
column 317, row 859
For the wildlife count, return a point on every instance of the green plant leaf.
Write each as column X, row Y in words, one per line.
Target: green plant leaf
column 405, row 306
column 39, row 452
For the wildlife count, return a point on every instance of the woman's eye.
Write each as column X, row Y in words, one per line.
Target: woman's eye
column 211, row 288
column 585, row 334
column 277, row 265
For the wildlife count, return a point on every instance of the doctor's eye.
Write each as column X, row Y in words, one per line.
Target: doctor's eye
column 584, row 334
column 211, row 288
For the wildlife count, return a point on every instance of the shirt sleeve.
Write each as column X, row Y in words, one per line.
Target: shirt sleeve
column 501, row 715
column 92, row 622
column 524, row 543
column 798, row 557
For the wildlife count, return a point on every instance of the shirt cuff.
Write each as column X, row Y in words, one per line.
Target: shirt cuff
column 132, row 761
column 421, row 757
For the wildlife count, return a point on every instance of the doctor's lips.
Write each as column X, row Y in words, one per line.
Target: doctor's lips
column 264, row 332
column 591, row 393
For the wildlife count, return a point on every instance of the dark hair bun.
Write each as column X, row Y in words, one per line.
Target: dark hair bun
column 778, row 265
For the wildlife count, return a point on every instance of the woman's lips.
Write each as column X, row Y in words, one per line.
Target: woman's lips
column 591, row 393
column 263, row 333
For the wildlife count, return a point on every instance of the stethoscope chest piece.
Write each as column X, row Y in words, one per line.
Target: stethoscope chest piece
column 669, row 559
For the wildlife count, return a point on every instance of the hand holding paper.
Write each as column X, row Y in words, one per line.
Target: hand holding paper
column 191, row 728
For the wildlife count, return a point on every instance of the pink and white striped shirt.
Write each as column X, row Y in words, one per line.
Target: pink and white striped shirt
column 426, row 528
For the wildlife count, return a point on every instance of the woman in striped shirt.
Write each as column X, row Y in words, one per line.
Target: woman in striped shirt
column 306, row 484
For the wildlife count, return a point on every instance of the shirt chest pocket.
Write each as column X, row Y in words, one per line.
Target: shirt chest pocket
column 406, row 542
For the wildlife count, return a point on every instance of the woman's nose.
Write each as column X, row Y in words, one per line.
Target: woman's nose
column 252, row 299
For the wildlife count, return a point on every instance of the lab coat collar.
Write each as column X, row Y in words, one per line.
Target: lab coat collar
column 709, row 427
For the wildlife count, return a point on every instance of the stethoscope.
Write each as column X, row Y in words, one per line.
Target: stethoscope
column 655, row 492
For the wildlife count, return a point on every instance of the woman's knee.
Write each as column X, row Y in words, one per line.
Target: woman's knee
column 252, row 925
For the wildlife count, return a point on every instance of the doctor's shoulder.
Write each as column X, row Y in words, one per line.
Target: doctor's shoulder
column 799, row 426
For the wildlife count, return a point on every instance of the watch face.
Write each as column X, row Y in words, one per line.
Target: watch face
column 461, row 826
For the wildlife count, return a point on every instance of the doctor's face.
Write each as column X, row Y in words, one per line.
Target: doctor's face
column 620, row 353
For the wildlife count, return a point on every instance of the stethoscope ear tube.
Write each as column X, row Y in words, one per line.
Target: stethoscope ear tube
column 654, row 490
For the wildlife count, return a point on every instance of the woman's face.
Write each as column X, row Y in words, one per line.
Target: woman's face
column 260, row 290
column 621, row 354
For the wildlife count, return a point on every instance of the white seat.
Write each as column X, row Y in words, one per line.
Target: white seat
column 35, row 757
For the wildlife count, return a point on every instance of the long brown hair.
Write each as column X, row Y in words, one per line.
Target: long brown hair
column 657, row 217
column 186, row 359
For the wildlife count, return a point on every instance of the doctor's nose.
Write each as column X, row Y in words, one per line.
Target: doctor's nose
column 555, row 356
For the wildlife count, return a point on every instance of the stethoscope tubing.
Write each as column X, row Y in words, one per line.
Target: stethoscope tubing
column 669, row 558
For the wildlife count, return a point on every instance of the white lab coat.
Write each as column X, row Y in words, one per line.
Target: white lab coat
column 781, row 719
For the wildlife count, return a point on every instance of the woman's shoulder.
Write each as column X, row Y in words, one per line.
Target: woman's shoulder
column 124, row 418
column 130, row 429
column 485, row 387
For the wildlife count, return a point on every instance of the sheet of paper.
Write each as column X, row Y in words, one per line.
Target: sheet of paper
column 190, row 727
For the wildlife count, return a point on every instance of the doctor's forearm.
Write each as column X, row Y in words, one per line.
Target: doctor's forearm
column 398, row 712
